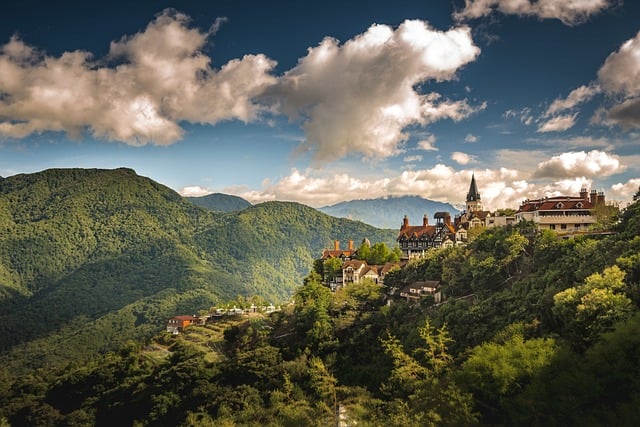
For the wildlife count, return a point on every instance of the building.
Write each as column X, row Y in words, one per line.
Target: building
column 355, row 271
column 415, row 240
column 416, row 291
column 344, row 255
column 474, row 214
column 177, row 324
column 564, row 214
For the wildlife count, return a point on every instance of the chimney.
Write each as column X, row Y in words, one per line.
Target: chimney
column 350, row 245
column 336, row 245
column 583, row 193
column 600, row 199
column 405, row 222
column 425, row 221
column 592, row 196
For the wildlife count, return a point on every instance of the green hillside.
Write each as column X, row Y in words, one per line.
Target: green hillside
column 220, row 202
column 91, row 258
column 536, row 331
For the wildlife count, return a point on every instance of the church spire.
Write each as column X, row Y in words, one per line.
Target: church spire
column 473, row 196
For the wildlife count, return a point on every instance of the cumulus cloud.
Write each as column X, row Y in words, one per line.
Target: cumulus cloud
column 626, row 190
column 462, row 158
column 358, row 97
column 558, row 123
column 570, row 12
column 620, row 76
column 499, row 188
column 579, row 164
column 470, row 138
column 161, row 78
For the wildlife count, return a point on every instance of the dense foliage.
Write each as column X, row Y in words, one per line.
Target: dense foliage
column 91, row 258
column 536, row 331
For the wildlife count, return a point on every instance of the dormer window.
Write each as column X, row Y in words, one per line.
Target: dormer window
column 579, row 205
column 560, row 205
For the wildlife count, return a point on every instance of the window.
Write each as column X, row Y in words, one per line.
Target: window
column 563, row 226
column 552, row 227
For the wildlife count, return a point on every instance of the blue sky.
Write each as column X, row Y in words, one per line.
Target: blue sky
column 321, row 102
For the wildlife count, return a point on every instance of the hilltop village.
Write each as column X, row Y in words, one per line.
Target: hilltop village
column 342, row 267
column 566, row 215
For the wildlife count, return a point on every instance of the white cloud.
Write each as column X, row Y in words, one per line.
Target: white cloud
column 570, row 12
column 499, row 188
column 579, row 164
column 470, row 138
column 194, row 191
column 462, row 158
column 416, row 158
column 575, row 98
column 558, row 123
column 427, row 144
column 161, row 78
column 359, row 97
column 523, row 115
column 625, row 191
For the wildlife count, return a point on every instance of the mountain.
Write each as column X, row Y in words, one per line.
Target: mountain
column 91, row 258
column 220, row 202
column 388, row 212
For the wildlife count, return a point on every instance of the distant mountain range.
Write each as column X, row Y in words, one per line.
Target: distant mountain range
column 388, row 212
column 220, row 202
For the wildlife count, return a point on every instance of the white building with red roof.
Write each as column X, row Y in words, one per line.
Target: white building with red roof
column 564, row 214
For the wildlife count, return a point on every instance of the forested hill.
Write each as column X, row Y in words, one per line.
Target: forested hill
column 388, row 212
column 536, row 330
column 91, row 258
column 220, row 202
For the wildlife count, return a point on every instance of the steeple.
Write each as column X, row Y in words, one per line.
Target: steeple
column 473, row 196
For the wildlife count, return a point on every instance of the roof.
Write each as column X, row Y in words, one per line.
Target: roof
column 337, row 254
column 371, row 270
column 417, row 231
column 559, row 203
column 388, row 266
column 183, row 318
column 354, row 263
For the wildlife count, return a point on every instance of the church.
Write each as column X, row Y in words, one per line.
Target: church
column 415, row 240
column 474, row 215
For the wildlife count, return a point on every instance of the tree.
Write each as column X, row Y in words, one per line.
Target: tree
column 419, row 389
column 594, row 307
column 332, row 267
column 496, row 371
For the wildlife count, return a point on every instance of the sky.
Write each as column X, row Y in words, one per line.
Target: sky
column 323, row 102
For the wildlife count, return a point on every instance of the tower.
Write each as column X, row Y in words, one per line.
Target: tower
column 473, row 196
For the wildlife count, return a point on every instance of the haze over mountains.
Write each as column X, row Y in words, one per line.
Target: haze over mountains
column 91, row 258
column 389, row 212
column 386, row 212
